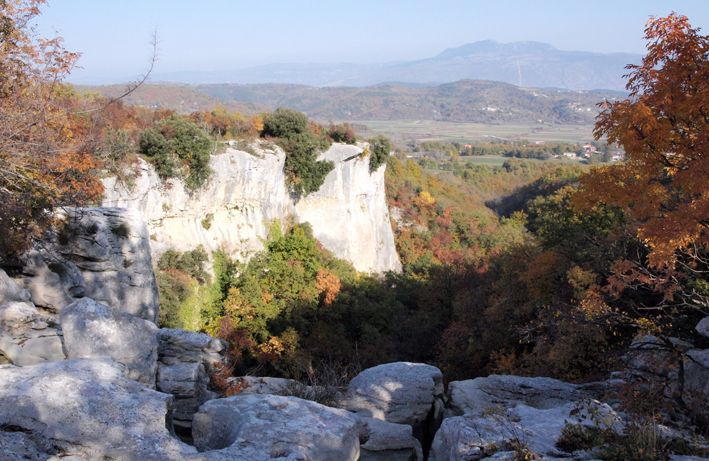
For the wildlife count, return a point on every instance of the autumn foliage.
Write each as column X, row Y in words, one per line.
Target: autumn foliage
column 664, row 128
column 42, row 163
column 662, row 187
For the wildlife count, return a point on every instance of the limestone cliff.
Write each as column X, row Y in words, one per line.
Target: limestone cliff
column 247, row 192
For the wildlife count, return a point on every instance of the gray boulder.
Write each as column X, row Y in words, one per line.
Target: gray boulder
column 101, row 253
column 481, row 395
column 27, row 336
column 185, row 361
column 85, row 408
column 92, row 329
column 264, row 427
column 400, row 392
column 695, row 392
column 517, row 428
column 383, row 441
column 178, row 346
column 703, row 327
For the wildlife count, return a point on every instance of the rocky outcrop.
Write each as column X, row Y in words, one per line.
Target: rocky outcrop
column 92, row 329
column 257, row 427
column 383, row 441
column 695, row 391
column 101, row 253
column 27, row 335
column 504, row 415
column 186, row 360
column 481, row 395
column 85, row 408
column 263, row 385
column 179, row 346
column 247, row 191
column 400, row 392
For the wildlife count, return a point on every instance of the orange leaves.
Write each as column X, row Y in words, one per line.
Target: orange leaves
column 664, row 130
column 328, row 285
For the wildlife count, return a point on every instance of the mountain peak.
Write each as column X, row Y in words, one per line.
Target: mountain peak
column 492, row 46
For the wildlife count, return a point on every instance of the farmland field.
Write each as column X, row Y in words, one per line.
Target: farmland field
column 430, row 130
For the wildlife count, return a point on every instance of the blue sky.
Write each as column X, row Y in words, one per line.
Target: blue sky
column 114, row 36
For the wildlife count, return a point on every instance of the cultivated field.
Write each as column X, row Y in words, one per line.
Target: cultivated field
column 429, row 130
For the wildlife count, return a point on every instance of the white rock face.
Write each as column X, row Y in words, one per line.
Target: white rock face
column 247, row 192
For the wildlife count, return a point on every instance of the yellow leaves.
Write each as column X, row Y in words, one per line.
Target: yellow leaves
column 592, row 305
column 273, row 347
column 425, row 198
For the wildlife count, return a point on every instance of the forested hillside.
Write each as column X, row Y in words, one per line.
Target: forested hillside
column 462, row 101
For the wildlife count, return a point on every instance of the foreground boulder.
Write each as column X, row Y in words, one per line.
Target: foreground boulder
column 481, row 395
column 85, row 408
column 520, row 429
column 400, row 392
column 27, row 336
column 382, row 441
column 263, row 427
column 92, row 329
column 503, row 415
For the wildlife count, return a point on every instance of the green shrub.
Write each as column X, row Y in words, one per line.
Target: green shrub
column 207, row 221
column 178, row 147
column 175, row 288
column 379, row 148
column 189, row 262
column 284, row 123
column 302, row 142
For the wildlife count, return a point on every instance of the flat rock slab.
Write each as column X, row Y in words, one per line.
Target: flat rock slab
column 92, row 329
column 88, row 409
column 478, row 396
column 468, row 437
column 264, row 427
column 383, row 441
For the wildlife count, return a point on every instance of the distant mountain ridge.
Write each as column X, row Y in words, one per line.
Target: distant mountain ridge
column 531, row 64
column 462, row 101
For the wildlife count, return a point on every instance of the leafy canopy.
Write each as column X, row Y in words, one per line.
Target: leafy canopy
column 664, row 128
column 178, row 147
column 44, row 160
column 302, row 142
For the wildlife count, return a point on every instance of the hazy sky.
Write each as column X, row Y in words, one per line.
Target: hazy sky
column 114, row 36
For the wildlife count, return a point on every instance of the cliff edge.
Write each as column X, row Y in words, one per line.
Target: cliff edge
column 247, row 192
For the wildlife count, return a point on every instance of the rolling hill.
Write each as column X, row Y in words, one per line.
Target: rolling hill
column 462, row 101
